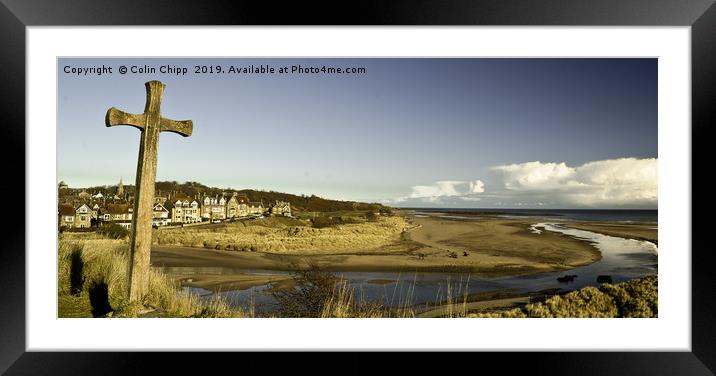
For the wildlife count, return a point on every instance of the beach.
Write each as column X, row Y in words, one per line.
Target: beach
column 482, row 245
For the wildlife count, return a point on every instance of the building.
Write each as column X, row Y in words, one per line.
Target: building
column 256, row 208
column 281, row 208
column 63, row 185
column 83, row 217
column 184, row 210
column 120, row 214
column 160, row 215
column 66, row 216
column 95, row 211
column 84, row 195
column 120, row 189
column 71, row 217
column 237, row 206
column 213, row 208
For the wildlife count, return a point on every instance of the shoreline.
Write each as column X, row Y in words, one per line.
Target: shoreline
column 636, row 231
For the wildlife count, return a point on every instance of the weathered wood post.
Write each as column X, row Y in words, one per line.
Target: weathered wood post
column 150, row 123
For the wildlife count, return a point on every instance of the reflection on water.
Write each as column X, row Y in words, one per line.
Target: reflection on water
column 622, row 259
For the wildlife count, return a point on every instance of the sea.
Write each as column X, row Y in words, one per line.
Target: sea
column 612, row 215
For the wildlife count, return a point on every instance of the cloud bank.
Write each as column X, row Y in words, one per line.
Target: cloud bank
column 625, row 182
column 612, row 183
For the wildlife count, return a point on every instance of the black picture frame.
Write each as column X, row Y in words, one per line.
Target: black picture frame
column 16, row 15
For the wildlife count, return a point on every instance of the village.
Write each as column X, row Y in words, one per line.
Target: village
column 85, row 210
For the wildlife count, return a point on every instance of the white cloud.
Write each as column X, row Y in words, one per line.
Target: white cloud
column 477, row 186
column 440, row 190
column 615, row 182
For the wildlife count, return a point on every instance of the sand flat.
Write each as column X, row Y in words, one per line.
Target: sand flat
column 500, row 245
column 486, row 246
column 238, row 281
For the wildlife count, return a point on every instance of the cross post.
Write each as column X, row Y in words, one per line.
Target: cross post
column 150, row 123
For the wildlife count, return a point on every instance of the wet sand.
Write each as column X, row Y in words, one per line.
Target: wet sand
column 238, row 281
column 486, row 305
column 498, row 247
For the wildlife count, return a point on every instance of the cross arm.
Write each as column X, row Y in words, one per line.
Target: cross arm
column 119, row 117
column 182, row 127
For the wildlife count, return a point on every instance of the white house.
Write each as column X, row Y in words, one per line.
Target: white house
column 160, row 215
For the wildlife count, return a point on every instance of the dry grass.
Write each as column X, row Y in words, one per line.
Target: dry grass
column 278, row 235
column 102, row 264
column 343, row 304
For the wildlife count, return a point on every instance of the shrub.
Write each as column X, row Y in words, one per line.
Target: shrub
column 113, row 231
column 635, row 298
column 318, row 293
column 322, row 222
column 312, row 291
column 587, row 302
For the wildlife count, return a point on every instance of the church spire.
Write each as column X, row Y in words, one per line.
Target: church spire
column 120, row 188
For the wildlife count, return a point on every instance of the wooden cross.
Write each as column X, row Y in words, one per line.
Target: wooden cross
column 150, row 123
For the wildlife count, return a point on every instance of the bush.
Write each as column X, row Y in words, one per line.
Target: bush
column 322, row 222
column 319, row 293
column 635, row 298
column 313, row 290
column 587, row 302
column 113, row 231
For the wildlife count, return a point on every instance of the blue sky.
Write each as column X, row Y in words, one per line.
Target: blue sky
column 407, row 132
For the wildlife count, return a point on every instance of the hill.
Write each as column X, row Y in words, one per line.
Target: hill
column 311, row 203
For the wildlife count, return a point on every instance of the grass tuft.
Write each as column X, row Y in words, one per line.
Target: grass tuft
column 95, row 268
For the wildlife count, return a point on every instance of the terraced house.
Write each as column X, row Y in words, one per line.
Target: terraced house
column 237, row 206
column 213, row 208
column 184, row 210
column 256, row 208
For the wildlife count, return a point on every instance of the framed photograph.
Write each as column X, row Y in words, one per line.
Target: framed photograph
column 481, row 177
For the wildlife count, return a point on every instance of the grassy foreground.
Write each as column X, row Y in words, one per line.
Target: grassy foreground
column 92, row 274
column 91, row 282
